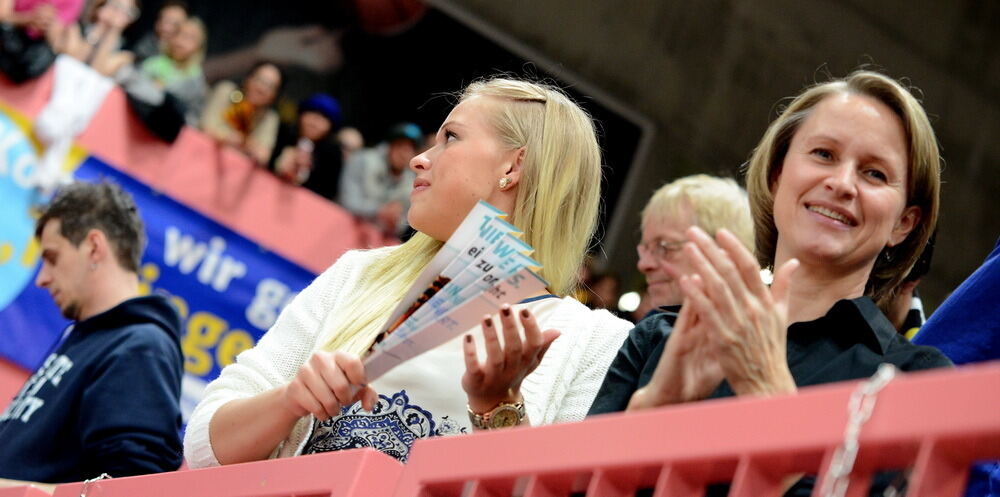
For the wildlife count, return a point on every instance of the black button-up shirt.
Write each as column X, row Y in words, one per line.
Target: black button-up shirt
column 849, row 342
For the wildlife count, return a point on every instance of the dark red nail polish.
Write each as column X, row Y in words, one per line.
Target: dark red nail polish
column 505, row 311
column 488, row 322
column 468, row 338
column 525, row 313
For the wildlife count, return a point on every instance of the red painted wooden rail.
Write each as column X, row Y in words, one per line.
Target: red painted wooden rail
column 359, row 473
column 24, row 491
column 936, row 423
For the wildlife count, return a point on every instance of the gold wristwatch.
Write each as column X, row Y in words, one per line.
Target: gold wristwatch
column 504, row 415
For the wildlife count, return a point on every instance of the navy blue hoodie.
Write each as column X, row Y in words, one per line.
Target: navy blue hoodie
column 106, row 401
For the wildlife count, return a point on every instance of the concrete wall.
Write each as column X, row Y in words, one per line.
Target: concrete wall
column 708, row 75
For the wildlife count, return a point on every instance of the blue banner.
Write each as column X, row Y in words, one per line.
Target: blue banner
column 228, row 289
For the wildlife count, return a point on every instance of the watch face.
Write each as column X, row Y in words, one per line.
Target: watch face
column 504, row 416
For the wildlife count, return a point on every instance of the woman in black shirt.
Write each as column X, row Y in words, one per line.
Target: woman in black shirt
column 844, row 193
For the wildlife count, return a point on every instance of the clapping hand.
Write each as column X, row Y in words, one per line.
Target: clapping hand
column 746, row 321
column 687, row 371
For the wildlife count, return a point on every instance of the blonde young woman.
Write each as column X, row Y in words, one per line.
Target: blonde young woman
column 843, row 190
column 528, row 150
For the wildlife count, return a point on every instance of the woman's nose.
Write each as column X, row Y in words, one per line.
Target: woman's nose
column 842, row 179
column 420, row 162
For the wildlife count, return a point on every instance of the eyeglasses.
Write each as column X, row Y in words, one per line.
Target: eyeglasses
column 660, row 249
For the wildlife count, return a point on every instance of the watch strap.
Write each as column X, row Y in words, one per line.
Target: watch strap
column 482, row 421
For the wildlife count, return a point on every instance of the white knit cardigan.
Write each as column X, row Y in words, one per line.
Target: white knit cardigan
column 561, row 389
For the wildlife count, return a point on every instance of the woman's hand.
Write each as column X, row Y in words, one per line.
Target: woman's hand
column 499, row 378
column 687, row 370
column 43, row 17
column 232, row 138
column 326, row 383
column 259, row 153
column 286, row 166
column 110, row 64
column 747, row 323
column 71, row 42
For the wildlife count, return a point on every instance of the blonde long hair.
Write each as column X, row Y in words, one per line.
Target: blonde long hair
column 923, row 173
column 556, row 204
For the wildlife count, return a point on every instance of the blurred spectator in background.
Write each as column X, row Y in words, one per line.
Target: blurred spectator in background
column 178, row 69
column 906, row 310
column 168, row 91
column 27, row 30
column 306, row 154
column 700, row 200
column 598, row 289
column 350, row 140
column 38, row 16
column 168, row 22
column 97, row 40
column 244, row 117
column 604, row 293
column 376, row 182
column 88, row 58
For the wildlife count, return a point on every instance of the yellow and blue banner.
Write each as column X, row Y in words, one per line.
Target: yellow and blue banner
column 228, row 289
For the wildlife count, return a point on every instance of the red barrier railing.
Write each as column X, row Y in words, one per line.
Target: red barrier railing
column 24, row 491
column 935, row 423
column 358, row 473
column 938, row 423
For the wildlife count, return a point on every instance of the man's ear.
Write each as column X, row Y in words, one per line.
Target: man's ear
column 907, row 221
column 97, row 246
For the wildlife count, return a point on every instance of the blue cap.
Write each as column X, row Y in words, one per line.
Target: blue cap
column 409, row 131
column 324, row 105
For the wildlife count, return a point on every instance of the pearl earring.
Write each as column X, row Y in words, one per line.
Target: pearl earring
column 504, row 182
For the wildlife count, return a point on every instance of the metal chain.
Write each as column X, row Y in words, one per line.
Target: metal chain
column 86, row 483
column 859, row 409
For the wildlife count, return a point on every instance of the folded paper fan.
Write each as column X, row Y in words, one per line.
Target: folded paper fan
column 481, row 267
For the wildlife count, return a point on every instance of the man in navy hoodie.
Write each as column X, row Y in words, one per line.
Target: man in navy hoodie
column 106, row 399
